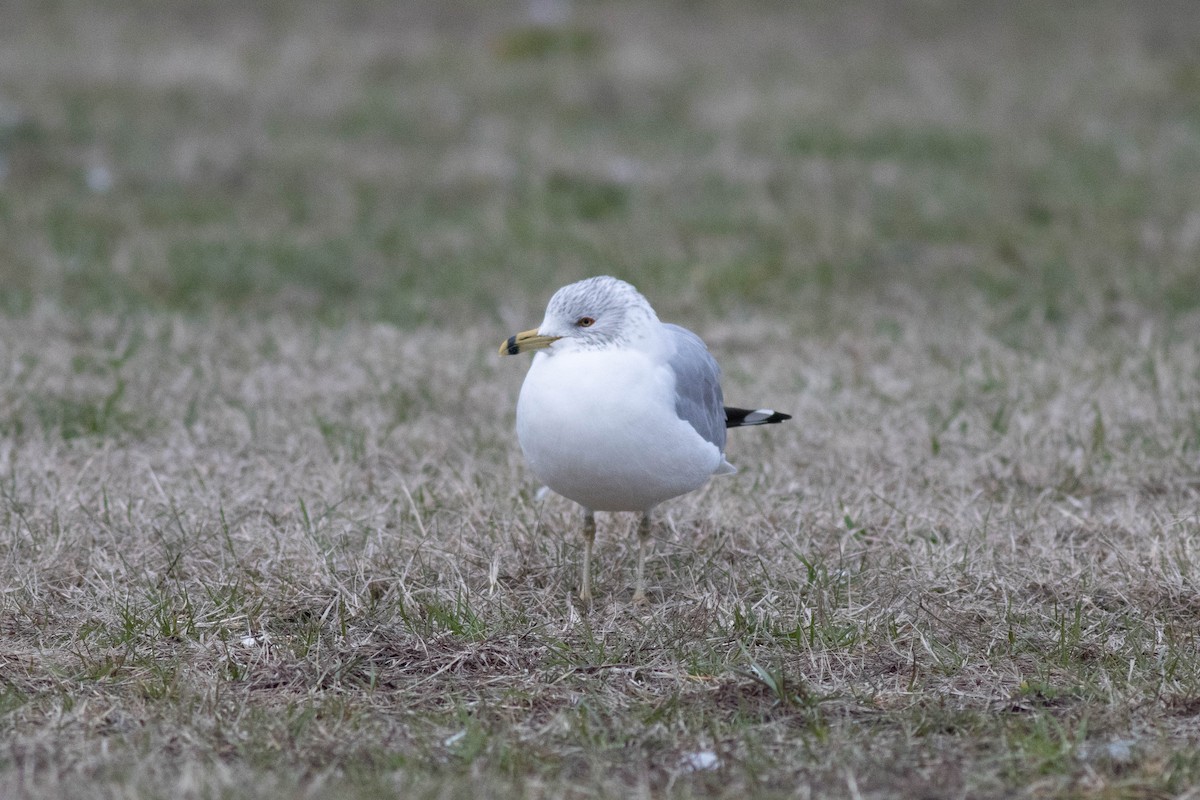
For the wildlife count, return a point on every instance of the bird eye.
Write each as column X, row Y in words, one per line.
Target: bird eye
column 586, row 322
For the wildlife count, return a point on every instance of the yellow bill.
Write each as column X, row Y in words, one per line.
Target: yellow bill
column 526, row 341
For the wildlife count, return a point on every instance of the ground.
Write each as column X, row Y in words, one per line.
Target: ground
column 266, row 530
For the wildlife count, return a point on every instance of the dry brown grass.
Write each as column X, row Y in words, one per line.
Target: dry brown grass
column 309, row 557
column 265, row 527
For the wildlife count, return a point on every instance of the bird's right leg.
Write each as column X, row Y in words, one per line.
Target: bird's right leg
column 589, row 537
column 644, row 528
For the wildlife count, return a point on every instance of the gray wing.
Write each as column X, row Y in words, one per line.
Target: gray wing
column 698, row 398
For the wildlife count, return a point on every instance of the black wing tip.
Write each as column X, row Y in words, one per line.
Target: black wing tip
column 741, row 417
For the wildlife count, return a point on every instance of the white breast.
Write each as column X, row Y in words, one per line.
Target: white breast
column 600, row 428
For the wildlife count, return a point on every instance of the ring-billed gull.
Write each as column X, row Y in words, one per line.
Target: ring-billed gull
column 619, row 411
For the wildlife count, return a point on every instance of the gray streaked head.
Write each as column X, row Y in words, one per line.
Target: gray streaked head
column 597, row 312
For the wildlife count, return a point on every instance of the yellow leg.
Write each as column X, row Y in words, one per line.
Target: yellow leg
column 639, row 591
column 589, row 537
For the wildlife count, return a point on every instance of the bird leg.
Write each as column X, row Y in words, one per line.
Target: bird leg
column 589, row 537
column 639, row 591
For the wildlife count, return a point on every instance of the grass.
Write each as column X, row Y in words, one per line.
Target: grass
column 265, row 527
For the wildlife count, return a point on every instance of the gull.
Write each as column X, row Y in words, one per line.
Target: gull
column 619, row 411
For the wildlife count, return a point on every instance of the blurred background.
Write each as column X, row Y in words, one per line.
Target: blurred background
column 1005, row 164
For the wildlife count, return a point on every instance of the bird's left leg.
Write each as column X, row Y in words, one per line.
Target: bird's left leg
column 589, row 538
column 639, row 591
